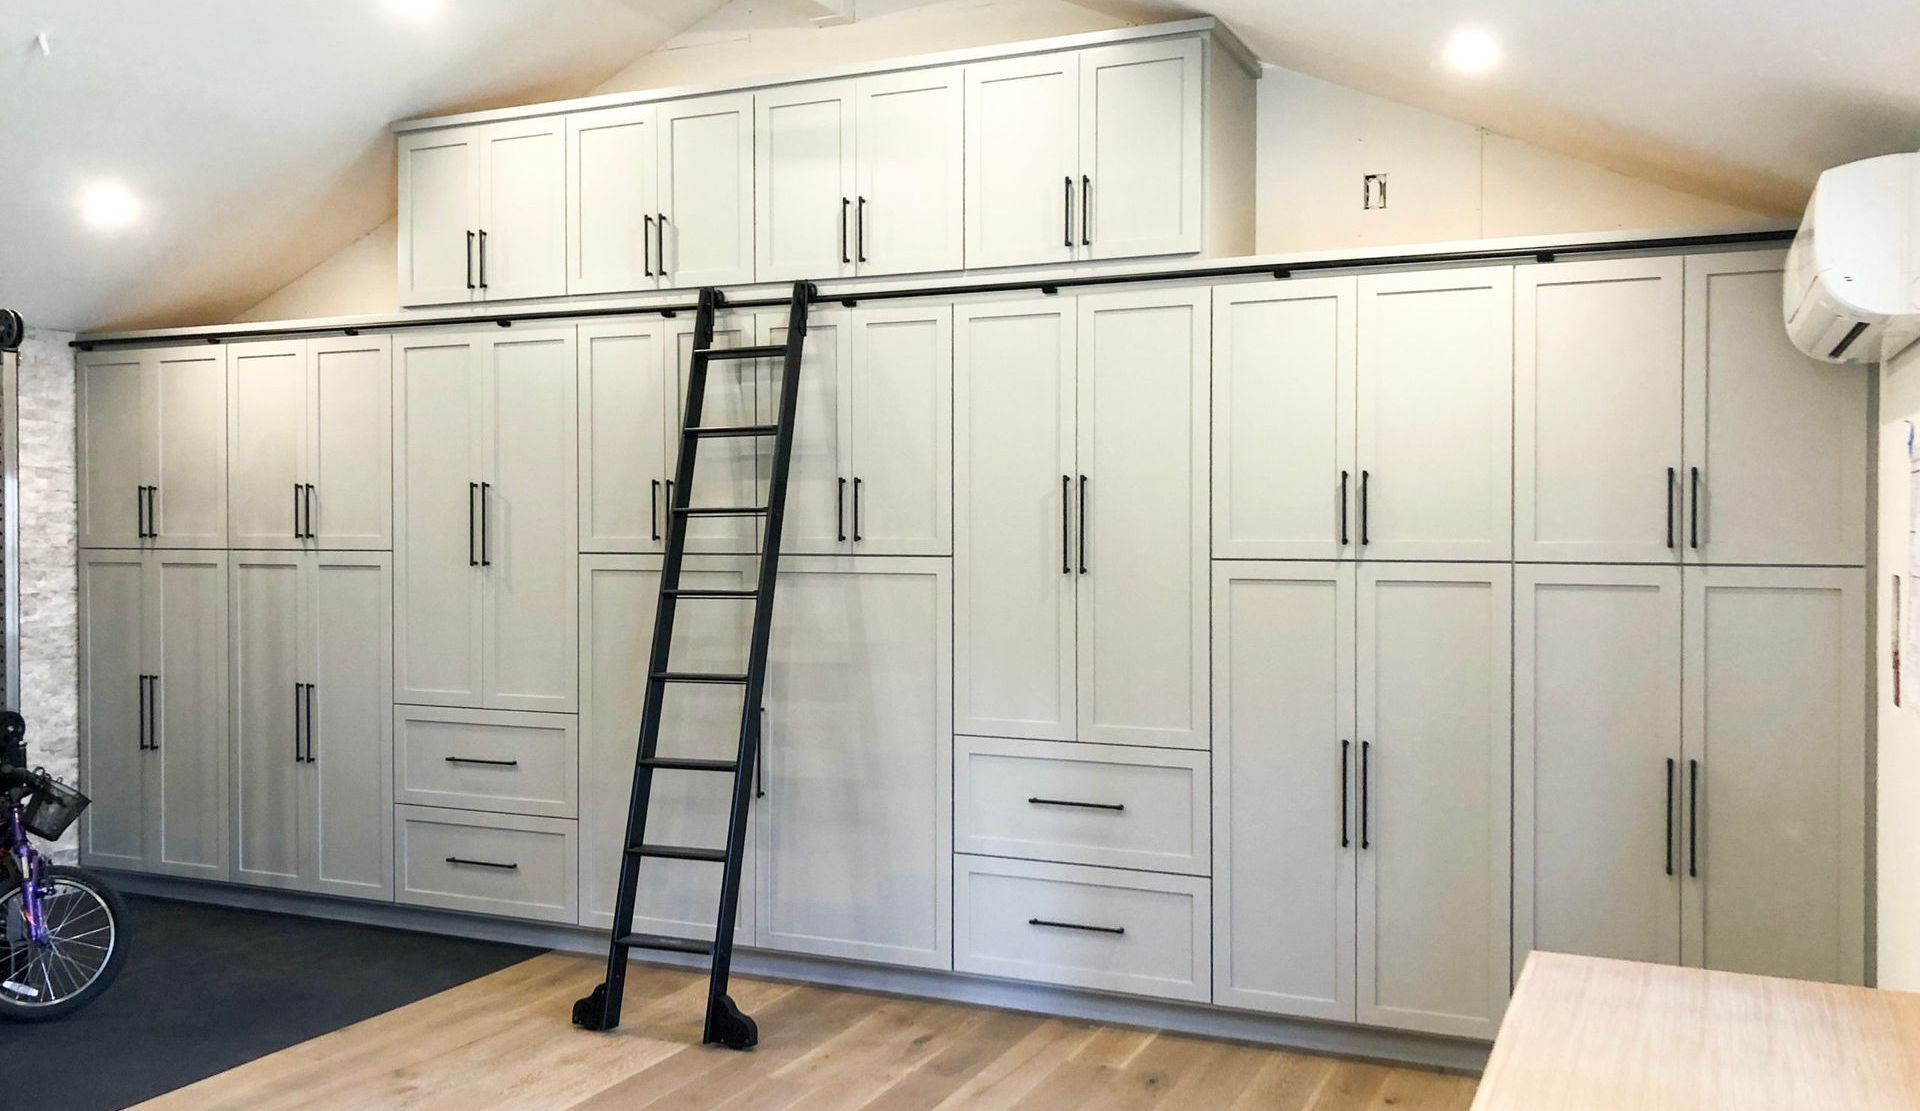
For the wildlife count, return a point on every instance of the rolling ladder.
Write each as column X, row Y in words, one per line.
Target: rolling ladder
column 725, row 1024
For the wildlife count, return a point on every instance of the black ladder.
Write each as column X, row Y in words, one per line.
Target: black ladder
column 725, row 1023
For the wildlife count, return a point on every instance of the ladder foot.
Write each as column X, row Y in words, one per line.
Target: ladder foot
column 591, row 1012
column 728, row 1026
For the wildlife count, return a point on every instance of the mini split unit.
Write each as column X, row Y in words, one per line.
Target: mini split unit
column 1853, row 275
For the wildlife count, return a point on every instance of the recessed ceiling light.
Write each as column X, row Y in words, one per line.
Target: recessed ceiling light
column 1472, row 51
column 414, row 9
column 107, row 205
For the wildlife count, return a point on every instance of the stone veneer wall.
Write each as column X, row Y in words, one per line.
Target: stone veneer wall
column 49, row 583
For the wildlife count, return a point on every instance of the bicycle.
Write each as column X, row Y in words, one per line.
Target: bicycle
column 60, row 928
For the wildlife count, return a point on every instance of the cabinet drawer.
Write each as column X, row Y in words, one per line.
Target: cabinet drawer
column 1110, row 805
column 486, row 863
column 504, row 761
column 1103, row 928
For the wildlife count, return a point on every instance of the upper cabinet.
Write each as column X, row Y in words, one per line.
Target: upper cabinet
column 483, row 213
column 153, row 441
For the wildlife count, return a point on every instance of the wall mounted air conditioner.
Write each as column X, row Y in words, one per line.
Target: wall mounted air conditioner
column 1853, row 274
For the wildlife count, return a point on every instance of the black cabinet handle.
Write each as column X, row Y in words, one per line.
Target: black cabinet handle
column 153, row 512
column 153, row 713
column 299, row 696
column 299, row 533
column 1693, row 817
column 646, row 246
column 1671, row 476
column 1693, row 508
column 1365, row 524
column 840, row 511
column 140, row 511
column 860, row 231
column 1116, row 807
column 1366, row 783
column 1346, row 757
column 1669, row 853
column 1345, row 478
column 759, row 762
column 845, row 206
column 469, row 260
column 1068, row 224
column 483, row 258
column 856, row 509
column 1066, row 500
column 312, row 534
column 1115, row 930
column 483, row 863
column 483, row 763
column 486, row 557
column 1083, row 524
column 311, row 757
column 660, row 242
column 143, row 713
column 653, row 511
column 1086, row 210
column 473, row 552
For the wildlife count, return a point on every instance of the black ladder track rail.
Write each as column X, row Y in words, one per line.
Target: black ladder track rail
column 725, row 1024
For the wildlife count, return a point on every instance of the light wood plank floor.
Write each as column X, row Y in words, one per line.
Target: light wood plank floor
column 505, row 1041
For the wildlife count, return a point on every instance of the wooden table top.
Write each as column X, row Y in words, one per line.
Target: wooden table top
column 1583, row 1032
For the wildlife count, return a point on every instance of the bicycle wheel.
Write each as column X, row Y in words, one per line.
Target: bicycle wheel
column 82, row 953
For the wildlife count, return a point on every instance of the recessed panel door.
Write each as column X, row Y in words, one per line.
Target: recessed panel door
column 438, row 580
column 804, row 181
column 439, row 215
column 612, row 170
column 348, row 831
column 706, row 192
column 1023, row 160
column 1140, row 136
column 187, row 399
column 820, row 475
column 907, row 202
column 114, row 732
column 626, row 416
column 267, row 438
column 523, row 209
column 188, row 806
column 901, row 423
column 269, row 706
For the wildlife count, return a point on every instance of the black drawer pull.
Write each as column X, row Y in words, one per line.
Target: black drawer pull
column 488, row 763
column 1116, row 807
column 1114, row 930
column 483, row 863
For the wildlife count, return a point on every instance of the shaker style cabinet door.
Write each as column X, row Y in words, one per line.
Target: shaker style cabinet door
column 267, row 444
column 114, row 709
column 347, row 831
column 267, row 611
column 900, row 448
column 187, row 460
column 910, row 178
column 705, row 232
column 804, row 181
column 188, row 805
column 522, row 246
column 1023, row 161
column 350, row 443
column 439, row 216
column 612, row 171
column 819, row 517
column 628, row 419
column 110, row 395
column 1141, row 115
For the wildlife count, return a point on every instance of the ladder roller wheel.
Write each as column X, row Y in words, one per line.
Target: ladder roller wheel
column 591, row 1012
column 729, row 1026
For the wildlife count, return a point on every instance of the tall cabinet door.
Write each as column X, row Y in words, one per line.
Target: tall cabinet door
column 187, row 459
column 819, row 518
column 901, row 414
column 1434, row 655
column 1014, row 496
column 438, row 583
column 804, row 181
column 1284, row 759
column 1141, row 550
column 350, row 438
column 528, row 523
column 267, row 612
column 858, row 693
column 1283, row 395
column 1023, row 160
column 1776, row 441
column 112, row 434
column 523, row 209
column 347, row 831
column 267, row 443
column 1140, row 135
column 113, row 736
column 439, row 215
column 1597, row 411
column 706, row 191
column 612, row 170
column 626, row 416
column 1775, row 772
column 1596, row 762
column 908, row 196
column 1435, row 443
column 730, row 469
column 187, row 793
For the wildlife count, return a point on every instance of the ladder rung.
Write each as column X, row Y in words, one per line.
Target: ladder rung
column 679, row 852
column 664, row 943
column 722, row 511
column 762, row 351
column 699, row 677
column 712, row 593
column 684, row 764
column 722, row 432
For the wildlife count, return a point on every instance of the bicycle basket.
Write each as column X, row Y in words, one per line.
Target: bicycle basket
column 51, row 807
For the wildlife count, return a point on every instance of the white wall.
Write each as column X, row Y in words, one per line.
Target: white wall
column 49, row 524
column 1897, row 896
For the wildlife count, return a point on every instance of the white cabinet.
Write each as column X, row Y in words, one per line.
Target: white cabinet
column 1776, row 442
column 310, row 434
column 660, row 196
column 486, row 509
column 858, row 697
column 311, row 720
column 483, row 212
column 729, row 471
column 628, row 420
column 1141, row 114
column 153, row 692
column 153, row 448
column 1023, row 160
column 860, row 177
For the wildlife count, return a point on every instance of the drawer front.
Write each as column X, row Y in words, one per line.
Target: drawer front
column 1074, row 803
column 487, row 864
column 1137, row 932
column 503, row 761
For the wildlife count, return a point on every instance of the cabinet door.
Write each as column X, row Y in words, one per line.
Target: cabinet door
column 1596, row 762
column 1140, row 134
column 187, row 795
column 113, row 435
column 1779, row 440
column 267, row 437
column 1141, row 554
column 804, row 181
column 618, row 596
column 1434, row 655
column 112, row 741
column 437, row 576
column 267, row 610
column 1283, row 388
column 1597, row 411
column 1776, row 772
column 730, row 468
column 439, row 215
column 523, row 209
column 907, row 203
column 348, row 828
column 1014, row 590
column 858, row 695
column 819, row 516
column 611, row 203
column 528, row 523
column 1435, row 442
column 626, row 417
column 706, row 191
column 187, row 395
column 1283, row 788
column 351, row 433
column 1023, row 160
column 902, row 431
